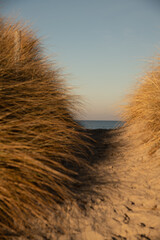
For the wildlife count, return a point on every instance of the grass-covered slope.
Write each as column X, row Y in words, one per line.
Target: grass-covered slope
column 142, row 113
column 38, row 136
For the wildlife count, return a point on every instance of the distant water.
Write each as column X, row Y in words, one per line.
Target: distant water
column 94, row 124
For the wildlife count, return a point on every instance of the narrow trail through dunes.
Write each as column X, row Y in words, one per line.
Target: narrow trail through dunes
column 128, row 204
column 59, row 181
column 125, row 204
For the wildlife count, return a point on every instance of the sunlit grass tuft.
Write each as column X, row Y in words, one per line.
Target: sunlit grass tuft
column 142, row 113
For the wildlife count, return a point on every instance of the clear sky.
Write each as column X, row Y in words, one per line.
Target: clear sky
column 102, row 45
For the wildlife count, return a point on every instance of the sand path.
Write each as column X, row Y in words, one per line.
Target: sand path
column 120, row 201
column 126, row 206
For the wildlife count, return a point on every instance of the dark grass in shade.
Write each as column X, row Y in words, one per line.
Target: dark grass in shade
column 98, row 124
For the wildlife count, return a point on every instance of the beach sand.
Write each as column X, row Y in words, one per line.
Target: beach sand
column 120, row 201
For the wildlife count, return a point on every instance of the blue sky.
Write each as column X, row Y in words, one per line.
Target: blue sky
column 103, row 46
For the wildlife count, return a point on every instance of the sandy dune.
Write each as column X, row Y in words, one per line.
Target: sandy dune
column 48, row 191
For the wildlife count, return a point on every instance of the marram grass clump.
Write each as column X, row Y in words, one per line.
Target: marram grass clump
column 38, row 135
column 142, row 113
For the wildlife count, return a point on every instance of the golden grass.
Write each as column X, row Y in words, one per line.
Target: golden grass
column 142, row 113
column 38, row 135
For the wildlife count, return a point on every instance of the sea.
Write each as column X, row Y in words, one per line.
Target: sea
column 98, row 124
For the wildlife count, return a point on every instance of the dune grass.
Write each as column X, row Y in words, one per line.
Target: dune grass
column 38, row 134
column 142, row 113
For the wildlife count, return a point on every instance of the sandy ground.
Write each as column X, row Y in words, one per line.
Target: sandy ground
column 121, row 201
